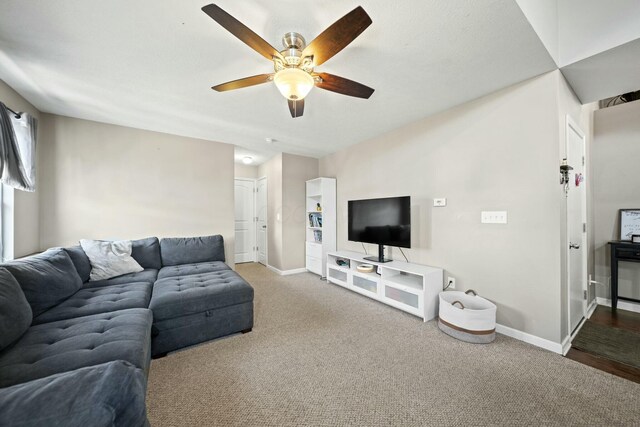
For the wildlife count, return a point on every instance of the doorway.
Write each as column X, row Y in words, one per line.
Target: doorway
column 261, row 220
column 245, row 231
column 576, row 226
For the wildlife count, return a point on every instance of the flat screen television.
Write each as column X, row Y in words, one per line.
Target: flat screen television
column 382, row 222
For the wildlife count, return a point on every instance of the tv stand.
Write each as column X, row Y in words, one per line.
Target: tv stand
column 380, row 258
column 409, row 287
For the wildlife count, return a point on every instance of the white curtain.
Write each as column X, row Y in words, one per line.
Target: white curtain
column 18, row 150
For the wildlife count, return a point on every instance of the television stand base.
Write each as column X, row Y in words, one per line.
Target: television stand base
column 377, row 260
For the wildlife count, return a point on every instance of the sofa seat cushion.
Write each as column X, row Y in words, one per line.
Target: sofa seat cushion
column 110, row 394
column 103, row 299
column 62, row 346
column 46, row 279
column 188, row 250
column 149, row 276
column 191, row 269
column 185, row 295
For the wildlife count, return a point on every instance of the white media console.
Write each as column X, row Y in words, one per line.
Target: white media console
column 409, row 287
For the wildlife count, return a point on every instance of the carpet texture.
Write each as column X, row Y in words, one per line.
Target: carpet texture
column 320, row 355
column 609, row 342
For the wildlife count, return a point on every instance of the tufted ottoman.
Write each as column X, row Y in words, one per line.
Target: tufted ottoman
column 194, row 308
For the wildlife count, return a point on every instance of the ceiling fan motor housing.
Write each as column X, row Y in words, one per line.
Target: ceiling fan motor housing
column 294, row 44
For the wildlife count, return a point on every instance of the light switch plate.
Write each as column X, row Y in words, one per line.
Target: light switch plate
column 493, row 217
column 439, row 202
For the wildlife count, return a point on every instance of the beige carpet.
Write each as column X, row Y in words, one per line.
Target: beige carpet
column 320, row 355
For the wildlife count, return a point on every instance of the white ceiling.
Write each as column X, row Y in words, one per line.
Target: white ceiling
column 150, row 64
column 595, row 42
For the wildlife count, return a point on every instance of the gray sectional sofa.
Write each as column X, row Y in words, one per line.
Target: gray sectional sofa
column 77, row 352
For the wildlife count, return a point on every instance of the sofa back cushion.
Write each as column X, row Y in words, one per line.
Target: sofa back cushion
column 80, row 261
column 147, row 252
column 15, row 311
column 190, row 250
column 46, row 279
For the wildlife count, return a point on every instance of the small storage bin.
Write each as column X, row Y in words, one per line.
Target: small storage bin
column 467, row 317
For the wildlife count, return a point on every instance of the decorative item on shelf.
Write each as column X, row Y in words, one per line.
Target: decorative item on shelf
column 315, row 220
column 635, row 238
column 317, row 235
column 343, row 262
column 564, row 175
column 365, row 268
column 629, row 223
column 318, row 207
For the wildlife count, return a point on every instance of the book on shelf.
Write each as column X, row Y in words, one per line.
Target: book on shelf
column 315, row 219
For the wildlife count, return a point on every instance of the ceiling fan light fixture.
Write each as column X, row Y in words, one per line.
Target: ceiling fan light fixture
column 293, row 83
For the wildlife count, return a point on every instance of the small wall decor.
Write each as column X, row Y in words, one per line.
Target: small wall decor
column 629, row 223
column 564, row 175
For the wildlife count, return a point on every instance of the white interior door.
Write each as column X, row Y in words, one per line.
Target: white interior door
column 261, row 223
column 576, row 225
column 245, row 220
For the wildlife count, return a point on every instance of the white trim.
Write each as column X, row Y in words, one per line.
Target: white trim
column 566, row 344
column 531, row 339
column 254, row 245
column 592, row 307
column 266, row 221
column 571, row 125
column 623, row 305
column 287, row 272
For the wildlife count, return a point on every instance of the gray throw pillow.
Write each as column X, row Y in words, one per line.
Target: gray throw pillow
column 46, row 279
column 15, row 312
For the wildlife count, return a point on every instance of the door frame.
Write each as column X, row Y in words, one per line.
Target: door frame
column 266, row 221
column 572, row 126
column 254, row 221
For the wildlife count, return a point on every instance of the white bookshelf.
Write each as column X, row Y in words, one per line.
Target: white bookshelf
column 413, row 288
column 320, row 235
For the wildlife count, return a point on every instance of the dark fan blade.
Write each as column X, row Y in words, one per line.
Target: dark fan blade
column 240, row 83
column 241, row 31
column 296, row 108
column 343, row 86
column 338, row 36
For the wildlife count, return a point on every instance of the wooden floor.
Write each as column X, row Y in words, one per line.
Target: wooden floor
column 620, row 319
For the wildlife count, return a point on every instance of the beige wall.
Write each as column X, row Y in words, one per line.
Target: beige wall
column 500, row 152
column 25, row 221
column 286, row 177
column 616, row 177
column 103, row 181
column 245, row 171
column 272, row 170
column 296, row 171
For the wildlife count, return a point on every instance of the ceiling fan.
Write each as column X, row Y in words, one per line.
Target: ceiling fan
column 294, row 73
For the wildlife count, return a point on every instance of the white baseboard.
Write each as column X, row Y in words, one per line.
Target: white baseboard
column 531, row 339
column 592, row 307
column 622, row 305
column 287, row 272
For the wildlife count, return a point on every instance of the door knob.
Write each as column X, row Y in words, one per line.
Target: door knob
column 264, row 226
column 573, row 246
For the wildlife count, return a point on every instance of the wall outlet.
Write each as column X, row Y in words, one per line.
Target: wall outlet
column 439, row 202
column 493, row 217
column 452, row 282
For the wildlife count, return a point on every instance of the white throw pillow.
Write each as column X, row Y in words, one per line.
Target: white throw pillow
column 109, row 259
